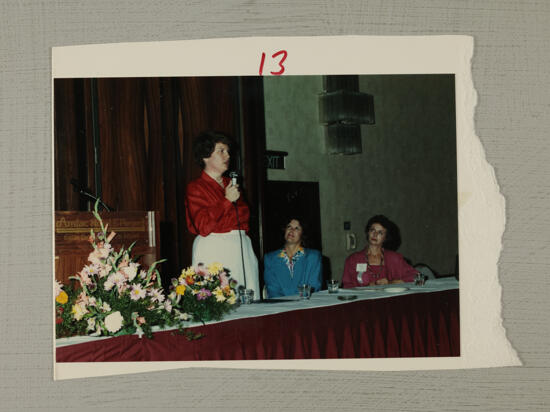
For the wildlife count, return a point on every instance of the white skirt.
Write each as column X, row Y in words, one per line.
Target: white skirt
column 225, row 248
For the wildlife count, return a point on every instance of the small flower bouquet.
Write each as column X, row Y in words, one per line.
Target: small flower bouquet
column 115, row 296
column 203, row 293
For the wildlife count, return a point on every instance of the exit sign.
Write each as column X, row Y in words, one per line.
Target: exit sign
column 275, row 159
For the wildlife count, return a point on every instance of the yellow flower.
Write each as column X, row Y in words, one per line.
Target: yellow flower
column 219, row 294
column 78, row 311
column 180, row 290
column 62, row 298
column 232, row 300
column 190, row 271
column 215, row 268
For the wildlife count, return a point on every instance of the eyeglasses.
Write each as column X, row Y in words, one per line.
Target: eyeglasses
column 377, row 232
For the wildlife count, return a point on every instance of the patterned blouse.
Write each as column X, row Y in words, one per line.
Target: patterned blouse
column 290, row 262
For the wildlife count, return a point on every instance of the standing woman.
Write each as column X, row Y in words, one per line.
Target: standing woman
column 376, row 264
column 293, row 265
column 217, row 214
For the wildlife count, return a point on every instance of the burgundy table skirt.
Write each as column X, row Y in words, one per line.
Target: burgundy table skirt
column 416, row 325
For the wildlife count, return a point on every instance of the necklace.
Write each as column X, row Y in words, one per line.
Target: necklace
column 370, row 269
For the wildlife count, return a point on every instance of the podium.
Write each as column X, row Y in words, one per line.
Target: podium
column 72, row 230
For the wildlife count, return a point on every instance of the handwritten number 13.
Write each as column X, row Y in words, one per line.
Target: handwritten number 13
column 281, row 61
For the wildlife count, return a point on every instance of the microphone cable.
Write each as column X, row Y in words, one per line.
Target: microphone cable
column 241, row 241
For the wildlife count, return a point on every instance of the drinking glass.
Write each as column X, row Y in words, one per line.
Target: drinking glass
column 304, row 291
column 332, row 286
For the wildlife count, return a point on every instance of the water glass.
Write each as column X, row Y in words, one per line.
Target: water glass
column 420, row 279
column 304, row 291
column 246, row 296
column 332, row 286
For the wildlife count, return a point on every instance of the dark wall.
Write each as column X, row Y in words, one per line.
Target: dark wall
column 142, row 129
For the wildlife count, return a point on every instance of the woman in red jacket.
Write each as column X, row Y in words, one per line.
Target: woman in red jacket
column 218, row 215
column 376, row 264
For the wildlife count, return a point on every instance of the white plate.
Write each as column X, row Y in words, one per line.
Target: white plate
column 395, row 289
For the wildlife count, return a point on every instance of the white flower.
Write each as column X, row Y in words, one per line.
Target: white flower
column 108, row 285
column 105, row 250
column 131, row 270
column 181, row 315
column 137, row 292
column 104, row 270
column 90, row 270
column 142, row 274
column 113, row 322
column 105, row 307
column 118, row 277
column 168, row 306
column 91, row 324
column 58, row 288
column 156, row 295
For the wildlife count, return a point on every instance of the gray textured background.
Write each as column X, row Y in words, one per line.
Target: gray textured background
column 510, row 71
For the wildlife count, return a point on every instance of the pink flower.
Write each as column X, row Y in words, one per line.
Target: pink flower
column 202, row 270
column 105, row 250
column 94, row 257
column 224, row 281
column 203, row 294
column 58, row 288
column 84, row 276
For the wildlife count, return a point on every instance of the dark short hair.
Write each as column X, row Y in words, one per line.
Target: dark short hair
column 393, row 234
column 205, row 143
column 303, row 223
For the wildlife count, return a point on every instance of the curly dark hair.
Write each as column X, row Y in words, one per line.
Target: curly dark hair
column 393, row 234
column 204, row 144
column 303, row 223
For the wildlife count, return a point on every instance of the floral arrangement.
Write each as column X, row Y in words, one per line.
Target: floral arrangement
column 114, row 297
column 203, row 293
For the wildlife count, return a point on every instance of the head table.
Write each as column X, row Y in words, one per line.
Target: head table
column 380, row 322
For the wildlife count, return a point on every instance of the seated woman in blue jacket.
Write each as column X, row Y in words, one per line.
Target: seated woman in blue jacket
column 293, row 265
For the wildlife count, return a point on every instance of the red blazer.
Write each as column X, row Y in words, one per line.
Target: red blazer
column 208, row 211
column 394, row 268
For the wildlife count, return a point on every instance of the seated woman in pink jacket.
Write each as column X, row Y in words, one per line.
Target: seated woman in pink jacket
column 376, row 264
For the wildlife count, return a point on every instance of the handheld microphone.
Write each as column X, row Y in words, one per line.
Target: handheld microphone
column 233, row 175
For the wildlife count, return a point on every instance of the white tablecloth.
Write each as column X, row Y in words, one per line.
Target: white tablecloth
column 319, row 299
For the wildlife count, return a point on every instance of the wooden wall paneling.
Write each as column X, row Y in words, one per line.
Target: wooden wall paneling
column 222, row 104
column 168, row 168
column 192, row 119
column 69, row 142
column 107, row 132
column 122, row 149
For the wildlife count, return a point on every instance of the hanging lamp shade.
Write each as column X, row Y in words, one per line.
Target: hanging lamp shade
column 342, row 109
